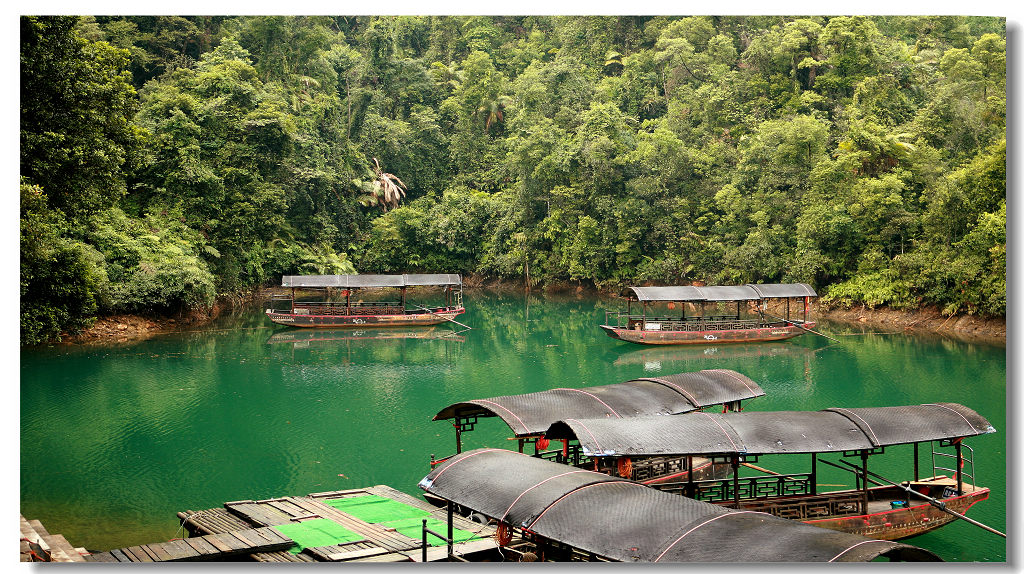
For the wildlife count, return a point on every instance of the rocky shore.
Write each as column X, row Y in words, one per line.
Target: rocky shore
column 928, row 320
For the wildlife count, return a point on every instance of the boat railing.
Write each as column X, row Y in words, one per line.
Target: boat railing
column 967, row 463
column 810, row 507
column 343, row 308
column 750, row 488
column 786, row 495
column 572, row 455
column 666, row 323
column 655, row 467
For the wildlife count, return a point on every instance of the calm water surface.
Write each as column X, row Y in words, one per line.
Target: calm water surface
column 115, row 440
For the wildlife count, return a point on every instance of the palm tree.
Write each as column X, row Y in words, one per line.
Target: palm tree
column 385, row 190
column 493, row 111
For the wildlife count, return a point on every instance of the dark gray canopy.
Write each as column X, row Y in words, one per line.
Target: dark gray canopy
column 830, row 430
column 626, row 521
column 362, row 281
column 533, row 413
column 748, row 292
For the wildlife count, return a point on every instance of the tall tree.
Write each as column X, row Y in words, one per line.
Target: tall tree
column 77, row 103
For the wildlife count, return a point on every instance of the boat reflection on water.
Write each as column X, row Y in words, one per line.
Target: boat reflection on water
column 305, row 338
column 653, row 357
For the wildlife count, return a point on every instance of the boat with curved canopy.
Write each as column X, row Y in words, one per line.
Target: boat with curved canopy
column 529, row 415
column 877, row 507
column 546, row 512
column 718, row 314
column 359, row 313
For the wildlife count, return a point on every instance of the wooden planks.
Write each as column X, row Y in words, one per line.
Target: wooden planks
column 242, row 529
column 353, row 554
column 209, row 547
column 212, row 521
column 257, row 513
column 53, row 547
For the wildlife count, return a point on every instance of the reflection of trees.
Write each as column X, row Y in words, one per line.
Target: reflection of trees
column 217, row 414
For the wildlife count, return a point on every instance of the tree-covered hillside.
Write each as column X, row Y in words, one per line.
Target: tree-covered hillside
column 167, row 160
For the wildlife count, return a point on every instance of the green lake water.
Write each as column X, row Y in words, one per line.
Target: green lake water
column 116, row 439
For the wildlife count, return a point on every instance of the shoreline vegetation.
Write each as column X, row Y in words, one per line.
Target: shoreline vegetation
column 882, row 320
column 167, row 162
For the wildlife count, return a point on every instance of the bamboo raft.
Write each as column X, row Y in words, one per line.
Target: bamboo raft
column 245, row 530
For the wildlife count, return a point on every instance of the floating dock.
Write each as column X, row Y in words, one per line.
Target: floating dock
column 374, row 524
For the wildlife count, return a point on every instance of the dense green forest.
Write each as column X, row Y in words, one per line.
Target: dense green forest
column 166, row 161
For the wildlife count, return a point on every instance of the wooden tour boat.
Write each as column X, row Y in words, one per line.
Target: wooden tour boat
column 529, row 416
column 362, row 314
column 876, row 507
column 719, row 314
column 546, row 512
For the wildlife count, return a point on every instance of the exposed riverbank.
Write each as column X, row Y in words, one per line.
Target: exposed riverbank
column 928, row 320
column 124, row 328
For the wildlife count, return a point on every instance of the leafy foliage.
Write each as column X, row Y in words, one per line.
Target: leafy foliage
column 177, row 158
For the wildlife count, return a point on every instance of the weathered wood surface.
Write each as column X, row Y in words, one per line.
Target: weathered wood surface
column 242, row 529
column 208, row 547
column 54, row 547
column 378, row 543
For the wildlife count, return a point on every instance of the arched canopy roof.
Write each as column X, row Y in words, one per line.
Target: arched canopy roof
column 770, row 290
column 829, row 430
column 533, row 413
column 626, row 521
column 748, row 292
column 366, row 281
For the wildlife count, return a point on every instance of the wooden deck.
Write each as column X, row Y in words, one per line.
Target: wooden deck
column 38, row 545
column 242, row 530
column 210, row 547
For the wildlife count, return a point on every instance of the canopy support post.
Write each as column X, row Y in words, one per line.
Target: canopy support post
column 959, row 468
column 348, row 301
column 814, row 474
column 864, row 485
column 917, row 475
column 451, row 531
column 735, row 481
column 689, row 476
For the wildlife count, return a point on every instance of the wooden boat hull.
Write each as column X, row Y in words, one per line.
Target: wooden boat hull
column 841, row 510
column 901, row 523
column 362, row 321
column 754, row 335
